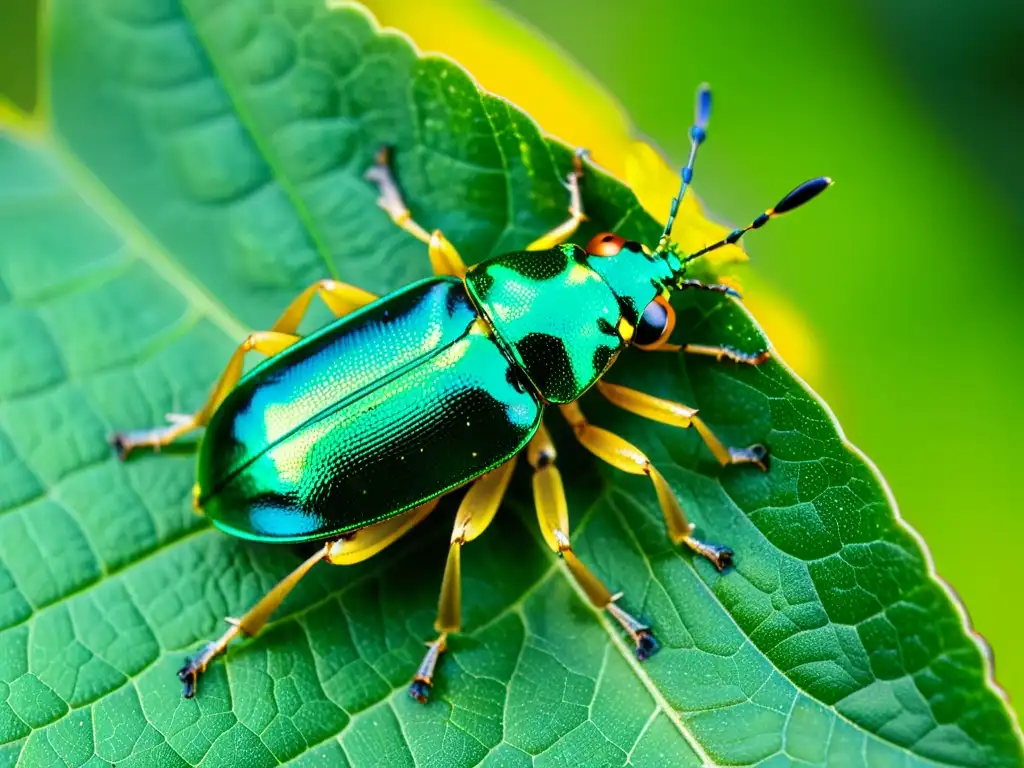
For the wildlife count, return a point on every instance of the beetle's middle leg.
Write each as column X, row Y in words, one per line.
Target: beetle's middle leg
column 476, row 512
column 567, row 228
column 679, row 415
column 553, row 516
column 355, row 548
column 444, row 259
column 623, row 455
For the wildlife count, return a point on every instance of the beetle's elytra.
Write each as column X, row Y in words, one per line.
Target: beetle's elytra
column 307, row 445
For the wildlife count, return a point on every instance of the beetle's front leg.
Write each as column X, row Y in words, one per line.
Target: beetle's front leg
column 624, row 455
column 476, row 512
column 444, row 259
column 728, row 290
column 355, row 548
column 567, row 228
column 719, row 353
column 553, row 516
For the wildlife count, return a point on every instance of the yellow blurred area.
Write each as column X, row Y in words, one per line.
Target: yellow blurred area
column 14, row 118
column 512, row 61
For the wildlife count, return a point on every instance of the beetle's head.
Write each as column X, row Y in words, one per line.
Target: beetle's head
column 641, row 282
column 643, row 279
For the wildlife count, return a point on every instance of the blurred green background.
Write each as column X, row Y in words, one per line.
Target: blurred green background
column 908, row 273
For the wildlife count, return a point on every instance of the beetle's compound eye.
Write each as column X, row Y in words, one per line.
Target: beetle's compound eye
column 656, row 324
column 610, row 244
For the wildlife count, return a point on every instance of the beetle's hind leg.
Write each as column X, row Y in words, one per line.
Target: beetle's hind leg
column 567, row 228
column 679, row 415
column 340, row 298
column 251, row 623
column 355, row 548
column 444, row 259
column 623, row 455
column 553, row 516
column 264, row 342
column 476, row 512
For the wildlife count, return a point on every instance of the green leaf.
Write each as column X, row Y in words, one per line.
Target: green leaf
column 202, row 162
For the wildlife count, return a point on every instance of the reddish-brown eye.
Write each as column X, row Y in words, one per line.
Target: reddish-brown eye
column 605, row 244
column 656, row 324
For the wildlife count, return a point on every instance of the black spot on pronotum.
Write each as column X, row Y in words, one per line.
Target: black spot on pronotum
column 482, row 282
column 603, row 357
column 547, row 363
column 628, row 309
column 550, row 265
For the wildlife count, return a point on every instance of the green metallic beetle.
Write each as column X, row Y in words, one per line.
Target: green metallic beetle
column 335, row 437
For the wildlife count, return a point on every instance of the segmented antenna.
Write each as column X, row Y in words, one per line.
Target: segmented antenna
column 698, row 132
column 802, row 194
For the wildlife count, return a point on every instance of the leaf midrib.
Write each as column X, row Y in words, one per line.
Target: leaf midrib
column 143, row 244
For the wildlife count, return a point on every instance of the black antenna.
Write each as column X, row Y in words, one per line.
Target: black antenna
column 802, row 194
column 698, row 132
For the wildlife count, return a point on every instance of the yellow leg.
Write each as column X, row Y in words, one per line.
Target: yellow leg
column 679, row 415
column 553, row 516
column 719, row 353
column 265, row 342
column 627, row 457
column 340, row 298
column 476, row 512
column 567, row 228
column 355, row 548
column 444, row 259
